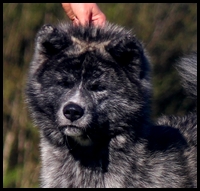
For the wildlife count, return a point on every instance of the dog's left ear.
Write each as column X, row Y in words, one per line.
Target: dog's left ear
column 125, row 49
column 50, row 40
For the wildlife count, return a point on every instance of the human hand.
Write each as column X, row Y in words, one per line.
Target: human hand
column 84, row 13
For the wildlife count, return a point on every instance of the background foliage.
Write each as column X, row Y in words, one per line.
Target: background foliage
column 168, row 31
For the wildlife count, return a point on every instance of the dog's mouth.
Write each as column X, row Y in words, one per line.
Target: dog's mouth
column 72, row 131
column 77, row 133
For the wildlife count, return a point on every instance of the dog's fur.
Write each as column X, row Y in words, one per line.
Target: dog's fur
column 89, row 92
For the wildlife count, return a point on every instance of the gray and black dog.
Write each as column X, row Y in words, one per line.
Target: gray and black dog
column 89, row 93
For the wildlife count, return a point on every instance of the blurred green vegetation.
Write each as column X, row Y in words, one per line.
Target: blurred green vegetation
column 168, row 31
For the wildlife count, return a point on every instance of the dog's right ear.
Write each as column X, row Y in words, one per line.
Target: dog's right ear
column 50, row 40
column 124, row 49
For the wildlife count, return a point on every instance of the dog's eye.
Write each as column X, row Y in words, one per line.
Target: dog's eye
column 96, row 87
column 65, row 84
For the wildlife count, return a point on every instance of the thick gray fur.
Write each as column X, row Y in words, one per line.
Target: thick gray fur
column 89, row 92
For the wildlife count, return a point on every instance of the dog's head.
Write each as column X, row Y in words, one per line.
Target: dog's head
column 87, row 82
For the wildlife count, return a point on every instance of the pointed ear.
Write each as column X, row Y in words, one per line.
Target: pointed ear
column 124, row 50
column 50, row 40
column 129, row 52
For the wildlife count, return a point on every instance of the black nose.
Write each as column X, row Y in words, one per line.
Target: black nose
column 73, row 111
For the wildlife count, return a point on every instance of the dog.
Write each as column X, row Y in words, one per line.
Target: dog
column 89, row 90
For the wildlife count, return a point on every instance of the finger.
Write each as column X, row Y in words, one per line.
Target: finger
column 82, row 12
column 76, row 22
column 84, row 18
column 84, row 21
column 67, row 8
column 99, row 20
